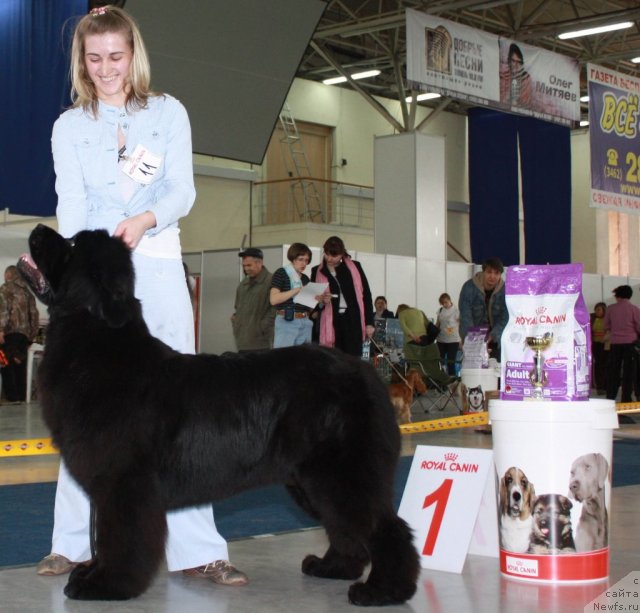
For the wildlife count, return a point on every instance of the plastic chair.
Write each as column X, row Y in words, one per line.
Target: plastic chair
column 34, row 348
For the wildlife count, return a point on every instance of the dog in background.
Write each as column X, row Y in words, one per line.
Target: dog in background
column 588, row 475
column 551, row 529
column 402, row 393
column 473, row 399
column 516, row 503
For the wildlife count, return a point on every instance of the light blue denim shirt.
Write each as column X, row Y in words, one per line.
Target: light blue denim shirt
column 85, row 156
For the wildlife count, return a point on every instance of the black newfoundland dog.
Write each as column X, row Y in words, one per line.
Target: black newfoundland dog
column 144, row 429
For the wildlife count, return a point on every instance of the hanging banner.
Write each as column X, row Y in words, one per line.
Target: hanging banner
column 484, row 69
column 613, row 136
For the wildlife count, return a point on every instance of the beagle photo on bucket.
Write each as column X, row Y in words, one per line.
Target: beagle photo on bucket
column 516, row 503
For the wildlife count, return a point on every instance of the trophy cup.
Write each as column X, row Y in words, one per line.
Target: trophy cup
column 537, row 376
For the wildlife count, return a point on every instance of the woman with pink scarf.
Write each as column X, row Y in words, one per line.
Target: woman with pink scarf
column 346, row 313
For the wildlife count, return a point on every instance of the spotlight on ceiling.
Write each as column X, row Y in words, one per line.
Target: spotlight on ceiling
column 357, row 75
column 597, row 30
column 426, row 96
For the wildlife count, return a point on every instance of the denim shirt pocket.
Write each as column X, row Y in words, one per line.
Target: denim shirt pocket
column 90, row 153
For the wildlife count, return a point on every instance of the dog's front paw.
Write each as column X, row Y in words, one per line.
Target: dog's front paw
column 366, row 595
column 87, row 583
column 336, row 568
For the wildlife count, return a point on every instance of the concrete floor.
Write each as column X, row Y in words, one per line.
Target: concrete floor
column 272, row 562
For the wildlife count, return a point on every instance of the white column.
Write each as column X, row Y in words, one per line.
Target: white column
column 410, row 196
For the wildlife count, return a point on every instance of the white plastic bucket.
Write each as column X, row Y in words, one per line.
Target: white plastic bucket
column 475, row 382
column 554, row 508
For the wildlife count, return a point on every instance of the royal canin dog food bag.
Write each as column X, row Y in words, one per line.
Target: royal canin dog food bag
column 540, row 300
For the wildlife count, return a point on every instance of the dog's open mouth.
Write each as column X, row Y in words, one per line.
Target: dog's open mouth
column 29, row 270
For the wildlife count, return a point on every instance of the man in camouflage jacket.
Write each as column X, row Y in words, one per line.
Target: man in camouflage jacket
column 18, row 329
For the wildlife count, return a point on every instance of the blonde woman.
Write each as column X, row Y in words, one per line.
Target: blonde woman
column 123, row 162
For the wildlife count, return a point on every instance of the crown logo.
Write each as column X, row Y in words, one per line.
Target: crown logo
column 541, row 309
column 450, row 457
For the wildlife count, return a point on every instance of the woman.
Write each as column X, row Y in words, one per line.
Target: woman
column 293, row 325
column 419, row 345
column 448, row 338
column 599, row 348
column 381, row 310
column 123, row 162
column 346, row 313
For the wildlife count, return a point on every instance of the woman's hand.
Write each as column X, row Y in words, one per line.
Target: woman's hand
column 133, row 228
column 325, row 298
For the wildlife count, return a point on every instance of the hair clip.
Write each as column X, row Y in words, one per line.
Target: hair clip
column 99, row 10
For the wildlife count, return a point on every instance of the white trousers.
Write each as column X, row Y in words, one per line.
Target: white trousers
column 193, row 539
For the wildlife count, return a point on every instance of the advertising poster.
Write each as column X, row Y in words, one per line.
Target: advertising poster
column 484, row 69
column 613, row 135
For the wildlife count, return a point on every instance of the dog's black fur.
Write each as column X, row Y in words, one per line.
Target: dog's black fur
column 144, row 429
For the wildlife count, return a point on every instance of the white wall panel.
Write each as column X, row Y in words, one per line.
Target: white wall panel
column 374, row 266
column 401, row 280
column 430, row 283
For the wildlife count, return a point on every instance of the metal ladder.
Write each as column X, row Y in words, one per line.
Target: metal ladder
column 311, row 208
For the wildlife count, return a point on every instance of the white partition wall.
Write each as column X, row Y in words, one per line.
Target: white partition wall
column 591, row 290
column 374, row 266
column 401, row 280
column 431, row 281
column 457, row 274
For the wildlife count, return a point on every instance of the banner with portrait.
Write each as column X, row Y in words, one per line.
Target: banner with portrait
column 487, row 70
column 613, row 134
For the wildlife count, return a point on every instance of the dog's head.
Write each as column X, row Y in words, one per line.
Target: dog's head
column 588, row 475
column 516, row 494
column 415, row 380
column 551, row 519
column 91, row 272
column 475, row 398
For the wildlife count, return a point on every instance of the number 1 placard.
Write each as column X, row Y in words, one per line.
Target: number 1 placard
column 441, row 501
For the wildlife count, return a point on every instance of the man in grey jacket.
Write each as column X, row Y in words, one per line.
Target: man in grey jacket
column 253, row 320
column 482, row 303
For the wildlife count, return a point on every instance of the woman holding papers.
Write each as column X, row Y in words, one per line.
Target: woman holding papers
column 293, row 325
column 346, row 316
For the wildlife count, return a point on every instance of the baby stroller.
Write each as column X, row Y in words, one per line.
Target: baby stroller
column 442, row 387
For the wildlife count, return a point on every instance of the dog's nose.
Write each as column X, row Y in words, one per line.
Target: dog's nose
column 517, row 496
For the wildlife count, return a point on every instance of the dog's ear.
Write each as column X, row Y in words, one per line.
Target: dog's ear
column 603, row 469
column 504, row 496
column 532, row 495
column 115, row 307
column 117, row 304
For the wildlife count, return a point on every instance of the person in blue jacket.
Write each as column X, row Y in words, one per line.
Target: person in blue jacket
column 482, row 303
column 123, row 162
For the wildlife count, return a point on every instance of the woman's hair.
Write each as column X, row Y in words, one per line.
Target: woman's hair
column 444, row 297
column 515, row 50
column 100, row 21
column 402, row 307
column 296, row 250
column 602, row 305
column 380, row 298
column 334, row 245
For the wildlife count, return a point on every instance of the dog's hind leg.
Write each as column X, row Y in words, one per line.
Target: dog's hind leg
column 362, row 528
column 395, row 566
column 131, row 530
column 346, row 558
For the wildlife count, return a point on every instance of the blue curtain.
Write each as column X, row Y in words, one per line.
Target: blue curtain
column 34, row 89
column 545, row 167
column 493, row 186
column 545, row 158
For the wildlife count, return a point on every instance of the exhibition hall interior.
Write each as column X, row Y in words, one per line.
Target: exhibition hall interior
column 442, row 142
